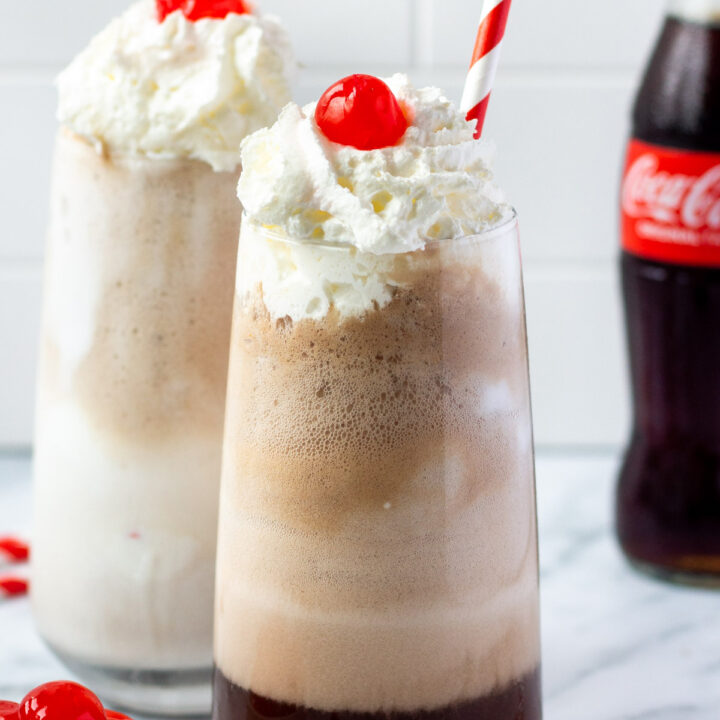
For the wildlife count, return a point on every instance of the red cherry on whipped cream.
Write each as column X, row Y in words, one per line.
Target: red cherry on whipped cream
column 198, row 9
column 112, row 715
column 361, row 111
column 9, row 710
column 61, row 701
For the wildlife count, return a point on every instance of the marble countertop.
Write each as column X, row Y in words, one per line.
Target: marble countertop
column 616, row 646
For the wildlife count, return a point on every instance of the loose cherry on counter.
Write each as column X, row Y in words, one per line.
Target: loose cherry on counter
column 61, row 701
column 9, row 710
column 14, row 550
column 13, row 587
column 198, row 9
column 361, row 111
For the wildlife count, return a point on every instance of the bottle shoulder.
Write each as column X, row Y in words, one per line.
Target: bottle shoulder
column 679, row 100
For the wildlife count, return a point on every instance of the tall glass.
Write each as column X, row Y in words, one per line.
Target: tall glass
column 131, row 396
column 378, row 537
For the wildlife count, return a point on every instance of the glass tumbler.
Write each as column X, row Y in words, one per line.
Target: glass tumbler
column 131, row 396
column 378, row 537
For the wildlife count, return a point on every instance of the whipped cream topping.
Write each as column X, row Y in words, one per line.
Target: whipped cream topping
column 435, row 184
column 178, row 88
column 305, row 281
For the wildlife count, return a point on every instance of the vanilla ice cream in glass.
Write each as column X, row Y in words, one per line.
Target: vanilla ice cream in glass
column 378, row 539
column 138, row 300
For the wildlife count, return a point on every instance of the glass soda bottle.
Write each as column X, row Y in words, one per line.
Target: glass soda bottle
column 668, row 501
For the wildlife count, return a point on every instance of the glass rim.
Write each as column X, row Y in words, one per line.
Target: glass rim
column 486, row 235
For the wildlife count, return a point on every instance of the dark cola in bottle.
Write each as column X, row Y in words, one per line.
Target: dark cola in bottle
column 668, row 502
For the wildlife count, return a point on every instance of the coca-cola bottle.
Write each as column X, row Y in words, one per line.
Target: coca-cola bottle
column 668, row 502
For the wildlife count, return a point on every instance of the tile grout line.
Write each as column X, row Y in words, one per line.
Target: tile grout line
column 421, row 60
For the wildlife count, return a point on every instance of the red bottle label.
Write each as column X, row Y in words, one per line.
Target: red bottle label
column 671, row 205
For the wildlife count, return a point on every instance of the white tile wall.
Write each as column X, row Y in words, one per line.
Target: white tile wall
column 558, row 117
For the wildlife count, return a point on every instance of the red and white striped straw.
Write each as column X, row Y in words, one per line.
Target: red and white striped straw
column 486, row 58
column 13, row 550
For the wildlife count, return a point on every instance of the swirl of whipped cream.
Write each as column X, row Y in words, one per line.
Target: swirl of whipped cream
column 178, row 89
column 435, row 184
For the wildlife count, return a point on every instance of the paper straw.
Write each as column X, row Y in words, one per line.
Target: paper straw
column 486, row 57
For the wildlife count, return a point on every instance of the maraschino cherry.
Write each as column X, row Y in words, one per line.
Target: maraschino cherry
column 112, row 715
column 13, row 587
column 61, row 701
column 361, row 111
column 198, row 9
column 14, row 550
column 9, row 710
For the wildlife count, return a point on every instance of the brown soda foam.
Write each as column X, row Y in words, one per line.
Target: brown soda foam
column 377, row 538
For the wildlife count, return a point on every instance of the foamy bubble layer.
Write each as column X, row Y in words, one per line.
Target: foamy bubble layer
column 435, row 184
column 178, row 88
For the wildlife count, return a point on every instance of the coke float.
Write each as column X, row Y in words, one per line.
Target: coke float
column 377, row 548
column 140, row 271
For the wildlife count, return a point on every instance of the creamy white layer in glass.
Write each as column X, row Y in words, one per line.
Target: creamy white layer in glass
column 138, row 298
column 377, row 544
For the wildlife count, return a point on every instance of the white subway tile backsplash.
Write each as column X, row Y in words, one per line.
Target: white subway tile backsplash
column 327, row 32
column 614, row 34
column 563, row 33
column 560, row 147
column 577, row 354
column 49, row 33
column 20, row 298
column 359, row 36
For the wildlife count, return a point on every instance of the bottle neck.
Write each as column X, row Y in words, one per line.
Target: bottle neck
column 701, row 11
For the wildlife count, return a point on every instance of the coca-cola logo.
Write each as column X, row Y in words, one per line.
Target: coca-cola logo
column 692, row 201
